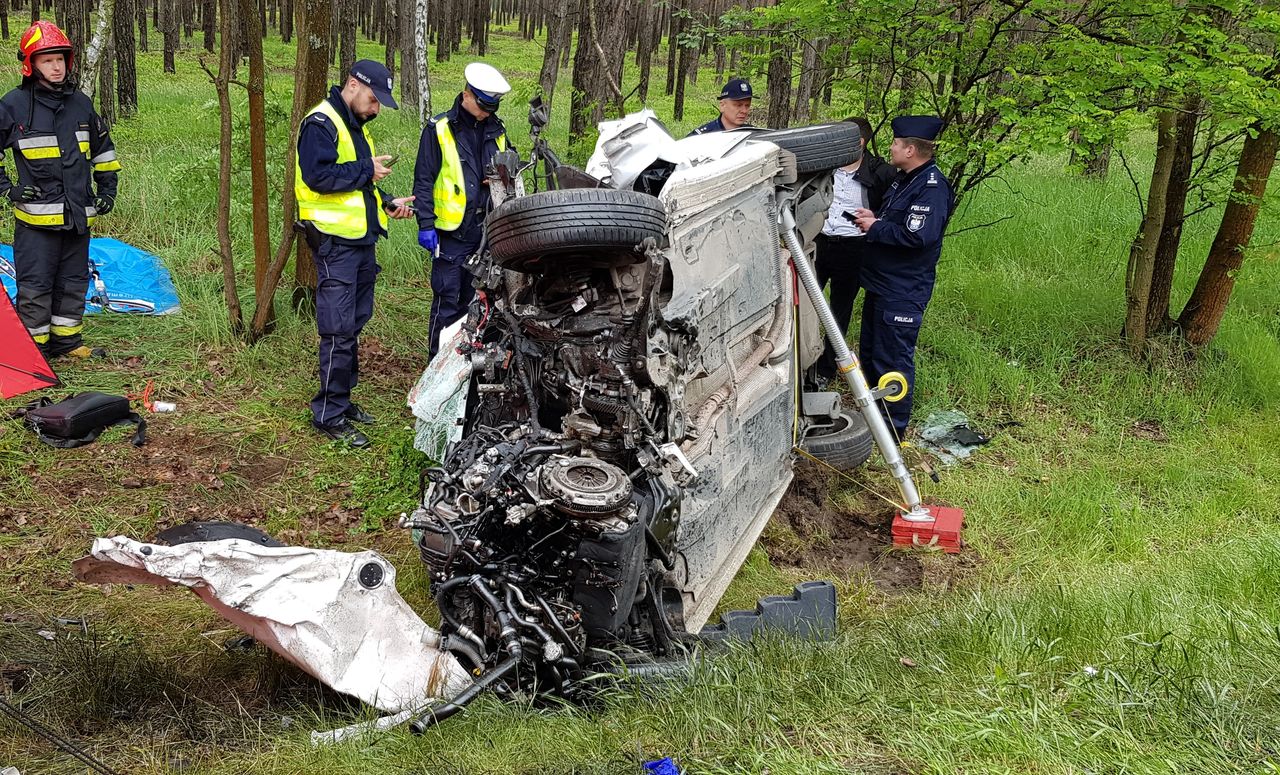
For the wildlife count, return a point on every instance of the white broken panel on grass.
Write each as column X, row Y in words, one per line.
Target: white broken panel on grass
column 439, row 399
column 336, row 615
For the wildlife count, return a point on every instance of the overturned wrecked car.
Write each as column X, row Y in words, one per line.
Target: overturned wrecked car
column 615, row 422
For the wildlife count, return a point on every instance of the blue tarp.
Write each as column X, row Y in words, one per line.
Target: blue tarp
column 126, row 279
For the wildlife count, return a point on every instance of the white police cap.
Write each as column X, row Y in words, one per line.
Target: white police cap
column 486, row 78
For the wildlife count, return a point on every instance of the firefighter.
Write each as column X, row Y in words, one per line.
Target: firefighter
column 66, row 168
column 451, row 191
column 343, row 213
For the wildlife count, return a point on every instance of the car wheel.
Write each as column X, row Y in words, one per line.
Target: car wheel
column 846, row 444
column 600, row 225
column 818, row 148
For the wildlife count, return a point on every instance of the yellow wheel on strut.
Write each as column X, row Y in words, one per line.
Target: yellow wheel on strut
column 894, row 379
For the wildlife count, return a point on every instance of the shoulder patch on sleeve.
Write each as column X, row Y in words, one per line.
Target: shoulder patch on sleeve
column 933, row 179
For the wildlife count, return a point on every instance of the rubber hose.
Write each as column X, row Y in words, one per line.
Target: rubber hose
column 444, row 710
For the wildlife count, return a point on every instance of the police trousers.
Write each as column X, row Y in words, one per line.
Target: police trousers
column 344, row 304
column 52, row 268
column 451, row 294
column 890, row 328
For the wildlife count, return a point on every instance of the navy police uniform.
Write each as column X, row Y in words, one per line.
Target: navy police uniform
column 477, row 142
column 347, row 267
column 899, row 267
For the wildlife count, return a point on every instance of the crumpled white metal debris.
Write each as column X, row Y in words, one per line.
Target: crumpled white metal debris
column 336, row 615
column 626, row 147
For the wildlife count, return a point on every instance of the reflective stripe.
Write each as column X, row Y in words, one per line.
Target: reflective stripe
column 83, row 139
column 42, row 153
column 38, row 330
column 39, row 213
column 341, row 213
column 39, row 208
column 104, row 157
column 45, row 147
column 111, row 166
column 40, row 338
column 90, row 211
column 449, row 195
column 38, row 220
column 66, row 330
column 59, row 320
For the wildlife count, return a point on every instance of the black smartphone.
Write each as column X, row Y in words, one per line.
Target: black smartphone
column 392, row 161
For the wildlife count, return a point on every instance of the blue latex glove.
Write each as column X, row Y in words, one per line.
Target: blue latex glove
column 429, row 240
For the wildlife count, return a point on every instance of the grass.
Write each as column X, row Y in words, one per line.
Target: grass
column 1117, row 613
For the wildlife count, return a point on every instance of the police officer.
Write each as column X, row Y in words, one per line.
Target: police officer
column 904, row 240
column 841, row 244
column 343, row 213
column 66, row 165
column 735, row 108
column 451, row 190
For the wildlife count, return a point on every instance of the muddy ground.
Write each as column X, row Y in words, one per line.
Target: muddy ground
column 822, row 527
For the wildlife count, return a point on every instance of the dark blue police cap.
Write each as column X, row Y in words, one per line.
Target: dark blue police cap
column 736, row 89
column 923, row 127
column 377, row 77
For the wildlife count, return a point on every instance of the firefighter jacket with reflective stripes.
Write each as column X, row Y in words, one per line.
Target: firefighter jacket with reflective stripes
column 333, row 179
column 449, row 179
column 62, row 150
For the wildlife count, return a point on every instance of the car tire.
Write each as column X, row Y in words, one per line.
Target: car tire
column 845, row 445
column 820, row 147
column 602, row 225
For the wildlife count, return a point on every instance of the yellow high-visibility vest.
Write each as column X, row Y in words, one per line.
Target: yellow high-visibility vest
column 341, row 213
column 449, row 196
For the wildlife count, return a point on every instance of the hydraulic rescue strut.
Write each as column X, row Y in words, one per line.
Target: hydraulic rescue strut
column 917, row 524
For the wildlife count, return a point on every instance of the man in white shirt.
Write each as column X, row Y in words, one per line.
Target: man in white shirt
column 840, row 246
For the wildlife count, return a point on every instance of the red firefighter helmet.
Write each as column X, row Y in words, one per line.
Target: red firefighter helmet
column 43, row 37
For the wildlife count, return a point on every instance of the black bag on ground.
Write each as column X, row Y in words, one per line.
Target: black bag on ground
column 79, row 419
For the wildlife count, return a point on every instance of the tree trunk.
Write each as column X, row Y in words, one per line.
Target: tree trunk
column 314, row 24
column 599, row 48
column 420, row 31
column 142, row 24
column 1202, row 316
column 683, row 59
column 558, row 36
column 406, row 17
column 286, row 21
column 650, row 35
column 4, row 18
column 125, row 57
column 107, row 84
column 170, row 29
column 779, row 84
column 1166, row 259
column 675, row 24
column 804, row 89
column 391, row 36
column 1142, row 254
column 346, row 37
column 257, row 147
column 208, row 22
column 222, row 85
column 97, row 47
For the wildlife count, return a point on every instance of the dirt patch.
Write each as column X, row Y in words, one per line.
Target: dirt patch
column 846, row 537
column 378, row 360
column 1148, row 430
